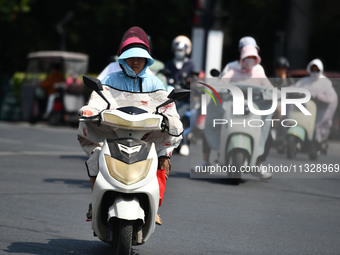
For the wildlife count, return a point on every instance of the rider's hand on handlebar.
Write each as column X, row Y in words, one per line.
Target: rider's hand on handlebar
column 165, row 124
column 88, row 112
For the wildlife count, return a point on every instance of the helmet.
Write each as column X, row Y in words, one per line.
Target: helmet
column 281, row 62
column 182, row 42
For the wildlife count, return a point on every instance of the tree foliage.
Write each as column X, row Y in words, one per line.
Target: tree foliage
column 9, row 9
column 96, row 27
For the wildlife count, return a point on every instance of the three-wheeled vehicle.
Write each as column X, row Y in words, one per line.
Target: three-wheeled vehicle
column 53, row 89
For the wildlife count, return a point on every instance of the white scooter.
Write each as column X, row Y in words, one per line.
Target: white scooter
column 126, row 195
column 241, row 138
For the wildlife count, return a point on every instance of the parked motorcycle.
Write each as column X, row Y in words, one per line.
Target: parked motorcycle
column 39, row 66
column 126, row 193
column 63, row 106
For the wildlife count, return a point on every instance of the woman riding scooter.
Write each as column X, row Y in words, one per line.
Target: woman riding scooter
column 248, row 75
column 134, row 58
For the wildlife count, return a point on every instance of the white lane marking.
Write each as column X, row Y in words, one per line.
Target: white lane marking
column 41, row 153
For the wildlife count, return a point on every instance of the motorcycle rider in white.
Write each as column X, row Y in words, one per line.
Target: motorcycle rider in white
column 134, row 58
column 323, row 92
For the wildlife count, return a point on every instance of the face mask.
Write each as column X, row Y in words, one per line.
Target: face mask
column 315, row 75
column 179, row 54
column 248, row 63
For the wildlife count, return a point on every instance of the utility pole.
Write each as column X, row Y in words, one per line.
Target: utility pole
column 61, row 31
column 207, row 35
column 298, row 32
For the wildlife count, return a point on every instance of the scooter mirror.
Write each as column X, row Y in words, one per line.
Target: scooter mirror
column 214, row 72
column 178, row 94
column 93, row 83
column 175, row 95
column 97, row 86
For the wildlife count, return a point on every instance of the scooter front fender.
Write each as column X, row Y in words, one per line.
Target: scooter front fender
column 127, row 208
column 298, row 132
column 239, row 141
column 235, row 141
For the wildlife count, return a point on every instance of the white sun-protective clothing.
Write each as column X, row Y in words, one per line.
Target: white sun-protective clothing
column 236, row 65
column 120, row 90
column 248, row 74
column 322, row 90
column 91, row 136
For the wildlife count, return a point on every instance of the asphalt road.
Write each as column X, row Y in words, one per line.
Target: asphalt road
column 45, row 192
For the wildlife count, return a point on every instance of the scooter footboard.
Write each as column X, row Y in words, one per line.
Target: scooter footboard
column 127, row 208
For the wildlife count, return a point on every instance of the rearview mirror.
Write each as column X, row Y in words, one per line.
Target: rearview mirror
column 175, row 95
column 178, row 94
column 96, row 85
column 214, row 72
column 92, row 83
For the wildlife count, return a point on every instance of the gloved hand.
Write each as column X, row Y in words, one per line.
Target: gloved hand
column 165, row 124
column 88, row 112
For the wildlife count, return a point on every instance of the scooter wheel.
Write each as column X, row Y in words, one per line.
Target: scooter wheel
column 237, row 158
column 313, row 151
column 123, row 237
column 291, row 146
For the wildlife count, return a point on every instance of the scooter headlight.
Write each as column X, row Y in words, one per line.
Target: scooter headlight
column 128, row 174
column 149, row 123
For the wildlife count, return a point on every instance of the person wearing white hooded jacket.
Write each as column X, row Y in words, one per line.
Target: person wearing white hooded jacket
column 321, row 90
column 247, row 73
column 236, row 64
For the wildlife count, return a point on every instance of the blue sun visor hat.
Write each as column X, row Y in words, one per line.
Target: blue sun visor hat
column 136, row 52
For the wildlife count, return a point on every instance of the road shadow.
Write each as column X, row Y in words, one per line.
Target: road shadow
column 61, row 247
column 80, row 157
column 217, row 180
column 73, row 182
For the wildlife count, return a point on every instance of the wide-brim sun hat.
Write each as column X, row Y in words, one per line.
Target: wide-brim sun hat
column 248, row 40
column 248, row 51
column 135, row 44
column 134, row 35
column 136, row 52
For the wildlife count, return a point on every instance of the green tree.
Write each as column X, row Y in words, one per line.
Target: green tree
column 9, row 9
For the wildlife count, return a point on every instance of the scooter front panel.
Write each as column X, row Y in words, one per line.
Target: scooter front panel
column 129, row 150
column 103, row 198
